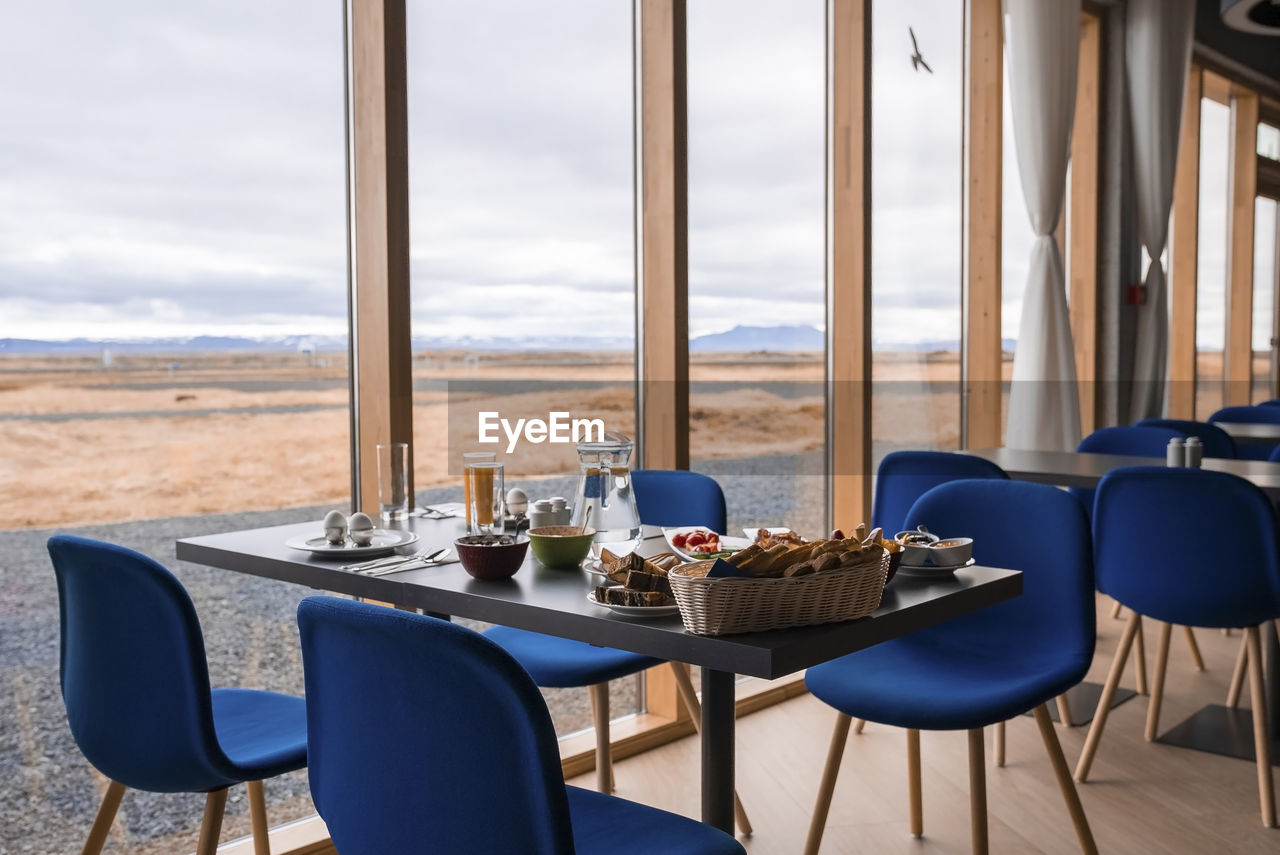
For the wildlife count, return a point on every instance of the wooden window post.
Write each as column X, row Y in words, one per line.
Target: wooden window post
column 1243, row 172
column 1083, row 252
column 1183, row 253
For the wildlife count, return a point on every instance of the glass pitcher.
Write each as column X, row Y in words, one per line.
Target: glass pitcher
column 604, row 486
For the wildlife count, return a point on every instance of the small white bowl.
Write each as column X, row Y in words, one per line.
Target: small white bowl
column 916, row 554
column 951, row 551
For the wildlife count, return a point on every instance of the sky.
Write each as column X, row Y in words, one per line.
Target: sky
column 172, row 169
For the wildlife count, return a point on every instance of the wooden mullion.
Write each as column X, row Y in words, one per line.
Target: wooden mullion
column 1183, row 255
column 849, row 260
column 982, row 355
column 1083, row 252
column 1243, row 174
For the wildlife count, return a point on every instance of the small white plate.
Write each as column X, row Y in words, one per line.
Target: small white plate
column 777, row 529
column 732, row 544
column 930, row 571
column 635, row 611
column 384, row 540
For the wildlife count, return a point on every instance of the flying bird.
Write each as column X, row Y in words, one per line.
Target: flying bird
column 917, row 61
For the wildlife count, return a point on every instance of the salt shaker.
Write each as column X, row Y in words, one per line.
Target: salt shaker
column 1175, row 454
column 540, row 514
column 1194, row 451
column 560, row 509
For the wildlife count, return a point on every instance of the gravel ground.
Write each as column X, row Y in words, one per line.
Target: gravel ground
column 48, row 794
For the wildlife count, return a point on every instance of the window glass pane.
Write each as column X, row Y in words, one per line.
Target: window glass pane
column 1269, row 141
column 916, row 149
column 173, row 253
column 1211, row 271
column 1264, row 295
column 756, row 222
column 521, row 211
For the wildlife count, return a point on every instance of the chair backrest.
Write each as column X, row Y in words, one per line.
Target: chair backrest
column 1216, row 441
column 1274, row 456
column 1131, row 440
column 422, row 732
column 1034, row 528
column 678, row 497
column 134, row 676
column 1248, row 415
column 1273, row 402
column 1187, row 546
column 905, row 476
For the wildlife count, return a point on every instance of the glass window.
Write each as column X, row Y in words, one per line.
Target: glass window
column 173, row 317
column 1268, row 141
column 1265, row 283
column 522, row 244
column 1211, row 270
column 916, row 151
column 756, row 231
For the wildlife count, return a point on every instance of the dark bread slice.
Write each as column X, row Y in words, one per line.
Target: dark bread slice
column 623, row 597
column 639, row 580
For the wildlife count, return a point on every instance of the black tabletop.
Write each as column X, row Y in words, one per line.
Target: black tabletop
column 555, row 601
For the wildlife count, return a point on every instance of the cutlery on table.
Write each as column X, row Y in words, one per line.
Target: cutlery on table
column 436, row 558
column 374, row 563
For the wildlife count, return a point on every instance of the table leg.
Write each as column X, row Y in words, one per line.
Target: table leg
column 717, row 749
column 1271, row 648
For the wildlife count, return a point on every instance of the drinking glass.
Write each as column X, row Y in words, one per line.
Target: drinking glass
column 485, row 490
column 393, row 481
column 471, row 457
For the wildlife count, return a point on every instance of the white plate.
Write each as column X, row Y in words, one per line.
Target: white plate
column 635, row 611
column 726, row 542
column 777, row 529
column 926, row 571
column 384, row 540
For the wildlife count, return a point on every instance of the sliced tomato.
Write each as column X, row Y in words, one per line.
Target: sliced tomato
column 679, row 539
column 695, row 538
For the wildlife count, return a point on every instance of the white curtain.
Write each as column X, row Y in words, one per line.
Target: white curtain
column 1157, row 56
column 1042, row 50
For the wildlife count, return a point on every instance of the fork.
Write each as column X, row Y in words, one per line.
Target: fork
column 437, row 557
column 374, row 563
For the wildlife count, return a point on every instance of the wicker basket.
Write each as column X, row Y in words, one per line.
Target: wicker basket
column 724, row 606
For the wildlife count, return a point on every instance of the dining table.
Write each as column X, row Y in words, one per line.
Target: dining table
column 555, row 602
column 1260, row 433
column 1215, row 728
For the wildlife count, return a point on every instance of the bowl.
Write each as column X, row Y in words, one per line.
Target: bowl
column 490, row 557
column 561, row 546
column 920, row 553
column 951, row 551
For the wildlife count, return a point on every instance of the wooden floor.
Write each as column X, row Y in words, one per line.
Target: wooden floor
column 1141, row 798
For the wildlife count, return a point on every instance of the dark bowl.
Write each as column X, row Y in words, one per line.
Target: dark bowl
column 490, row 562
column 895, row 561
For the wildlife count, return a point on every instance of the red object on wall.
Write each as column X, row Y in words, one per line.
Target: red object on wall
column 1137, row 295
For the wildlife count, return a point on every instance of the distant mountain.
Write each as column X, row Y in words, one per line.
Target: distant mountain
column 197, row 344
column 748, row 339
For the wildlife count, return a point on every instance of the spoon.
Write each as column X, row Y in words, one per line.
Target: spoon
column 582, row 529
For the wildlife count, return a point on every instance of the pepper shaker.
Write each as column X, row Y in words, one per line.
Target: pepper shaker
column 1174, row 454
column 1193, row 451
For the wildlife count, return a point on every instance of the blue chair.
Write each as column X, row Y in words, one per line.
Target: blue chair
column 424, row 735
column 136, row 687
column 1231, row 579
column 1274, row 456
column 663, row 498
column 1274, row 402
column 1216, row 441
column 1129, row 440
column 1249, row 415
column 904, row 476
column 986, row 667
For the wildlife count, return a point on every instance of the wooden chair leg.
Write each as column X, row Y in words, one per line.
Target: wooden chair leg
column 600, row 718
column 1064, row 710
column 1196, row 658
column 1068, row 787
column 102, row 822
column 689, row 697
column 258, row 819
column 1261, row 738
column 1238, row 674
column 1115, row 610
column 999, row 743
column 977, row 793
column 1157, row 684
column 1104, row 702
column 915, row 793
column 1140, row 660
column 827, row 785
column 211, row 826
column 859, row 724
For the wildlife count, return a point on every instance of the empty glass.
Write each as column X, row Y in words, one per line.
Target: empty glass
column 393, row 481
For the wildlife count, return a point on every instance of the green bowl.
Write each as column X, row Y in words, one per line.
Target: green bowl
column 560, row 546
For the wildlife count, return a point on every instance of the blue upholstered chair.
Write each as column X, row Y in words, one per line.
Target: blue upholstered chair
column 1249, row 415
column 1216, row 441
column 1229, row 579
column 1274, row 456
column 663, row 498
column 136, row 687
column 986, row 667
column 1129, row 440
column 425, row 736
column 905, row 476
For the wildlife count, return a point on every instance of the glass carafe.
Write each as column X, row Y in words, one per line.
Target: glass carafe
column 605, row 487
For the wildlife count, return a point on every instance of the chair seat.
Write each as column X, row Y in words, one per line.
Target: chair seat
column 562, row 663
column 263, row 733
column 931, row 687
column 612, row 826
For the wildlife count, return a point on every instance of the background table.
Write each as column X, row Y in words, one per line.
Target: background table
column 1261, row 433
column 555, row 602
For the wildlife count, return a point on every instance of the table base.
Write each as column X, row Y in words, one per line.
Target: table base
column 1083, row 701
column 1219, row 730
